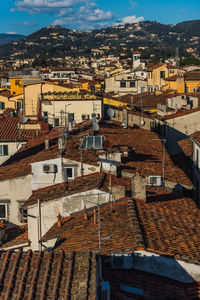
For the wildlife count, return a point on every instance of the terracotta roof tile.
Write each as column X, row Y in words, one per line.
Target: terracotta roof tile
column 16, row 236
column 80, row 184
column 167, row 227
column 9, row 130
column 47, row 275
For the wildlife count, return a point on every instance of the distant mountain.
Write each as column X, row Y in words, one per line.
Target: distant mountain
column 9, row 38
column 190, row 28
column 151, row 38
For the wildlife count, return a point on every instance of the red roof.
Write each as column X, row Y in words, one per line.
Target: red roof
column 9, row 130
column 167, row 227
column 80, row 184
column 47, row 275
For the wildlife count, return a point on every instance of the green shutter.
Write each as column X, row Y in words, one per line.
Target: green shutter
column 5, row 149
column 2, row 105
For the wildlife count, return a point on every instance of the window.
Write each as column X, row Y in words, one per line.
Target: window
column 129, row 77
column 3, row 149
column 4, row 211
column 171, row 71
column 2, row 105
column 122, row 84
column 68, row 172
column 19, row 106
column 132, row 84
column 70, row 117
column 17, row 82
column 56, row 122
column 45, row 116
column 142, row 89
column 162, row 74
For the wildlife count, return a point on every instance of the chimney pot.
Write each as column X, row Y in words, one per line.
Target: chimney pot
column 46, row 142
column 59, row 220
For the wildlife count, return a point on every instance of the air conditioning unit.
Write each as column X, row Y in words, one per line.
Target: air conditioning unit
column 85, row 117
column 51, row 168
column 155, row 180
column 125, row 124
column 122, row 261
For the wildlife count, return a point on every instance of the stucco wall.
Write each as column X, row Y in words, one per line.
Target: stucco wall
column 15, row 190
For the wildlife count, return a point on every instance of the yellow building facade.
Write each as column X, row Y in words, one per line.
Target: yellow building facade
column 157, row 74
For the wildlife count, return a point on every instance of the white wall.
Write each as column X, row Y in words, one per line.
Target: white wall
column 65, row 206
column 41, row 179
column 13, row 147
column 168, row 267
column 14, row 190
column 60, row 109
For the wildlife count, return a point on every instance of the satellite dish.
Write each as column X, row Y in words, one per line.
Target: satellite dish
column 111, row 112
column 95, row 126
column 24, row 120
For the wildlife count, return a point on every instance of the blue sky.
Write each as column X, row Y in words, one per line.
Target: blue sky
column 27, row 16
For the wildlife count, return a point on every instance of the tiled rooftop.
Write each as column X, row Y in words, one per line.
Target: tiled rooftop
column 167, row 227
column 147, row 153
column 47, row 275
column 16, row 236
column 9, row 130
column 187, row 144
column 80, row 184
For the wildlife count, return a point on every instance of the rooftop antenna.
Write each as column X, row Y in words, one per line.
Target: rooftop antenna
column 142, row 116
column 132, row 108
column 163, row 161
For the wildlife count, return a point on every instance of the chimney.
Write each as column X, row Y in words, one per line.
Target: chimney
column 46, row 141
column 85, row 215
column 59, row 220
column 138, row 184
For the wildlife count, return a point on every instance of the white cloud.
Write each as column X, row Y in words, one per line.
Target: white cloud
column 99, row 15
column 132, row 19
column 69, row 12
column 11, row 32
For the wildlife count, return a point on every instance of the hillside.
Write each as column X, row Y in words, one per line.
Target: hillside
column 9, row 38
column 152, row 37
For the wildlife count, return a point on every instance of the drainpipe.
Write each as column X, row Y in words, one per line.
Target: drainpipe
column 39, row 225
